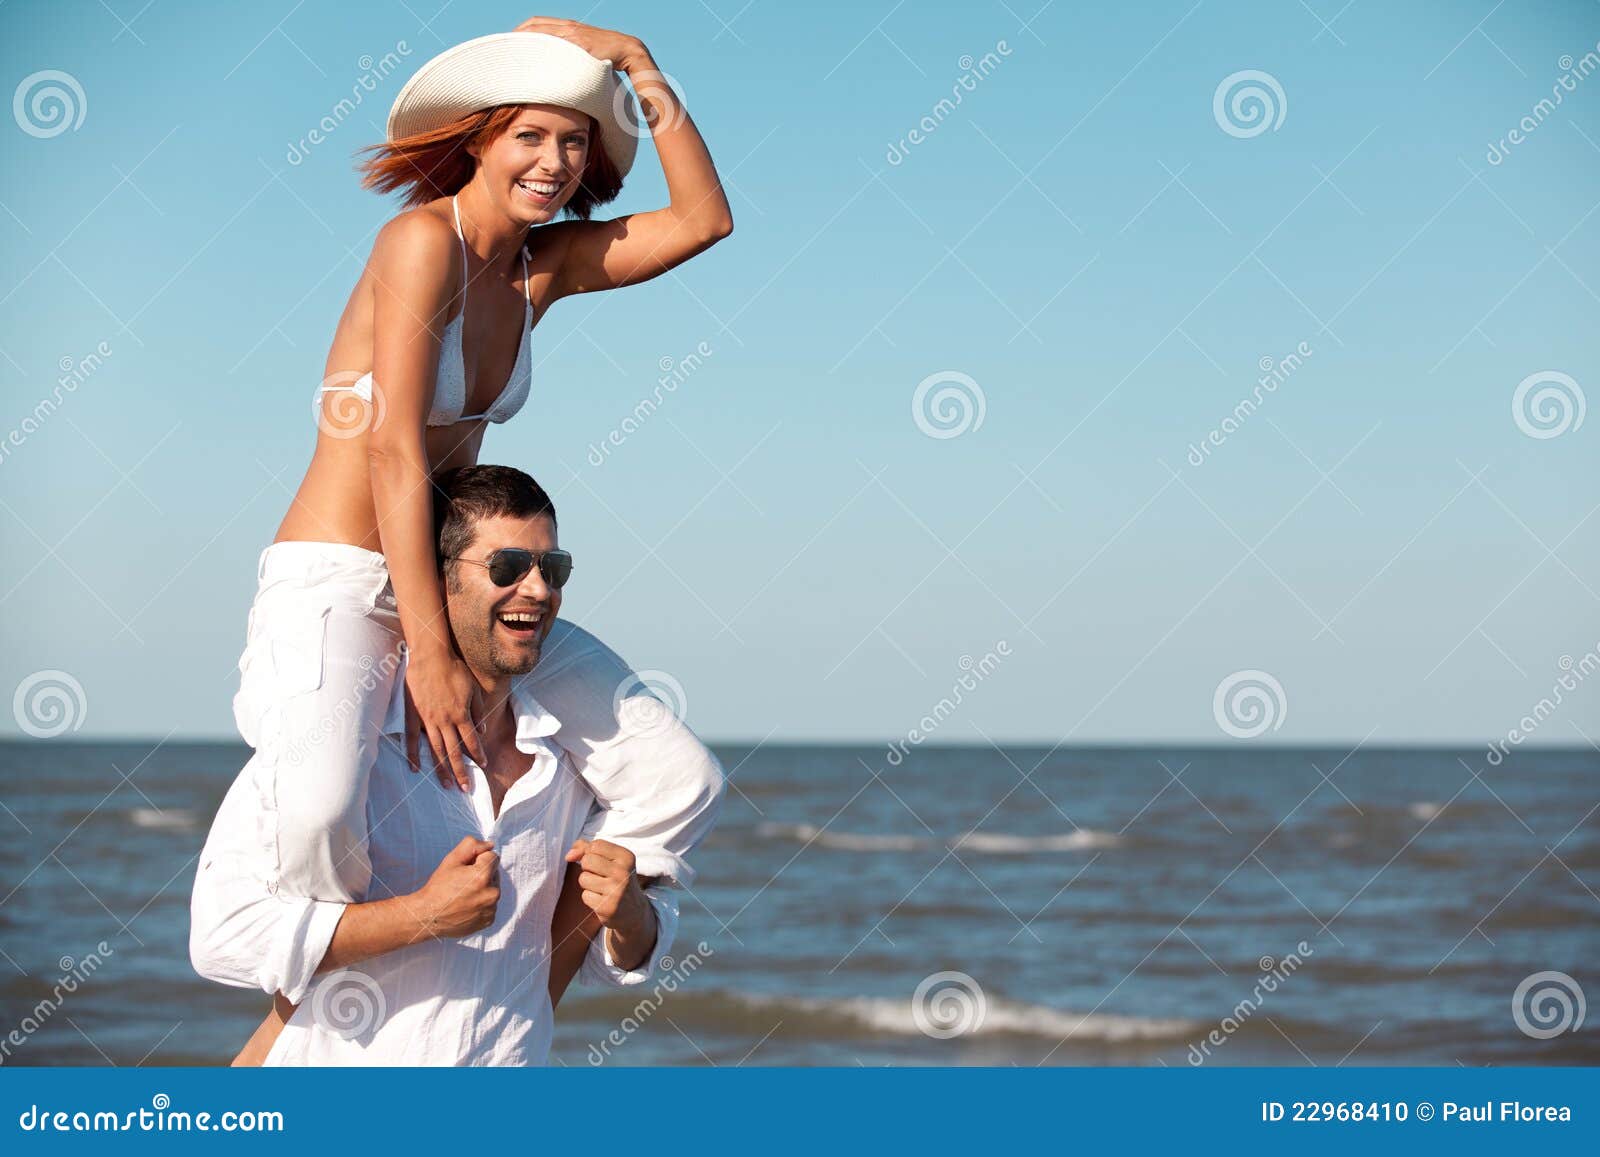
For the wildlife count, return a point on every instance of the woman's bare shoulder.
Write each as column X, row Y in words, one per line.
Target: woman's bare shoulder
column 417, row 236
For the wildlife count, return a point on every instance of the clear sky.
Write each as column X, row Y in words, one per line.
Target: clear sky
column 1091, row 242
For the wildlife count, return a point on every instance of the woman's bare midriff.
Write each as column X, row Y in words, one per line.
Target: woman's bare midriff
column 334, row 502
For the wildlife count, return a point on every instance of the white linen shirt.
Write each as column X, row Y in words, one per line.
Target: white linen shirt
column 478, row 999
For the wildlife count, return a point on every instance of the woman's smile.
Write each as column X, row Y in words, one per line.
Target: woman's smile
column 538, row 192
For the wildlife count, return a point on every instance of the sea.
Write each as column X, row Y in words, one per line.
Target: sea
column 955, row 905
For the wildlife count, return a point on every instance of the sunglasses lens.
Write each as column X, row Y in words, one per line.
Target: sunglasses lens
column 556, row 568
column 506, row 567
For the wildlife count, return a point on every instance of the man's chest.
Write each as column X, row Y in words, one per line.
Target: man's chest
column 413, row 823
column 503, row 774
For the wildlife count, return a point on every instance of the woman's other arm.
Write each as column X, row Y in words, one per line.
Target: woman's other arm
column 413, row 269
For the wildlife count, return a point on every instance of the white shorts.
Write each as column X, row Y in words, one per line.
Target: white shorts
column 320, row 660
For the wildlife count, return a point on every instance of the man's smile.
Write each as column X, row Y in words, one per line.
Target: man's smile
column 522, row 624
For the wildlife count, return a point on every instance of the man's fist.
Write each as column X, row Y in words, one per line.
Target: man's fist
column 610, row 889
column 461, row 896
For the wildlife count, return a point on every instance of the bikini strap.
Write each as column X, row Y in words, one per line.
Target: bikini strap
column 461, row 237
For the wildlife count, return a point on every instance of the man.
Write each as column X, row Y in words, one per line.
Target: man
column 450, row 958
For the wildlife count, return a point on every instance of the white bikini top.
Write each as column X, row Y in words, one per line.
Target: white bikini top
column 450, row 388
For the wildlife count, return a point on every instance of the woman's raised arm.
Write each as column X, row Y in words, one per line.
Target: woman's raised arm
column 626, row 250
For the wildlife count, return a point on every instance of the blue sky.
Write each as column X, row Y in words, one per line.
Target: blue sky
column 1081, row 237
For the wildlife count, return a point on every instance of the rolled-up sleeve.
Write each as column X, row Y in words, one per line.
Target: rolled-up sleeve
column 600, row 969
column 240, row 933
column 661, row 787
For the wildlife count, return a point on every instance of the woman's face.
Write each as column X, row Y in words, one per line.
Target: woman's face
column 533, row 168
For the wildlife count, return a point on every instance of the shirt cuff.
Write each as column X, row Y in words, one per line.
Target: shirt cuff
column 303, row 942
column 649, row 858
column 600, row 969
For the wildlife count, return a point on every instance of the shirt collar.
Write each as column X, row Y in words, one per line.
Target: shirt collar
column 534, row 720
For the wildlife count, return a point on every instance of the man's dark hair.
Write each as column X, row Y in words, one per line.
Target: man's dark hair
column 467, row 494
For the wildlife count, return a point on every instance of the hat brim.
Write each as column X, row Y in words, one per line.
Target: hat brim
column 519, row 68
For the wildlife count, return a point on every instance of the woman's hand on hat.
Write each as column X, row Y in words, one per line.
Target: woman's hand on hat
column 601, row 43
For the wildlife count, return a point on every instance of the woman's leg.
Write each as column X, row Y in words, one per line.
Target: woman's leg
column 319, row 674
column 316, row 678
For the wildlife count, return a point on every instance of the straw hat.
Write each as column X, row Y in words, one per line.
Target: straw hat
column 519, row 68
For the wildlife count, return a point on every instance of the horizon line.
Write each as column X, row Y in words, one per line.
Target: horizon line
column 22, row 740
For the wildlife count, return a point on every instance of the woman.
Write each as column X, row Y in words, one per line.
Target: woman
column 491, row 142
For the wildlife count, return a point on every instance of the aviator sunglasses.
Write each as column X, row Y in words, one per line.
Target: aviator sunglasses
column 510, row 565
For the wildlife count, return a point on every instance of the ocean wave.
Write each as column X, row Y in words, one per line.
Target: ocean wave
column 1000, row 1017
column 1002, row 843
column 993, row 843
column 170, row 819
column 1428, row 811
column 846, row 841
column 827, row 1018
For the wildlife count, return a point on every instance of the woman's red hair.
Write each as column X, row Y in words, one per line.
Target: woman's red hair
column 436, row 164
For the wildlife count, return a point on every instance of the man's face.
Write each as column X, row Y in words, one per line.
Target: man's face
column 490, row 622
